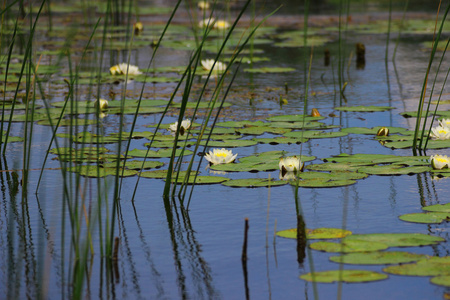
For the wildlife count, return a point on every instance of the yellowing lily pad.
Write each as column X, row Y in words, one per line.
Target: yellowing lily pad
column 315, row 234
column 377, row 258
column 398, row 239
column 344, row 276
column 433, row 266
column 429, row 218
column 348, row 246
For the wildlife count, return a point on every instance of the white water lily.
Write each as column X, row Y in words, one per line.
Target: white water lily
column 440, row 133
column 439, row 162
column 290, row 164
column 123, row 68
column 221, row 24
column 203, row 5
column 185, row 125
column 445, row 123
column 220, row 156
column 219, row 67
column 102, row 104
column 206, row 22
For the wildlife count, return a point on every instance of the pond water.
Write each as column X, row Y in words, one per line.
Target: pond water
column 166, row 252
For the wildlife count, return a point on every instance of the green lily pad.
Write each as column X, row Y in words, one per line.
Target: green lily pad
column 254, row 182
column 323, row 183
column 438, row 207
column 229, row 143
column 136, row 164
column 428, row 218
column 316, row 234
column 373, row 131
column 369, row 108
column 99, row 172
column 162, row 174
column 270, row 70
column 202, row 179
column 258, row 130
column 433, row 266
column 84, row 154
column 348, row 246
column 156, row 154
column 398, row 239
column 11, row 139
column 393, row 170
column 294, row 118
column 246, row 166
column 377, row 258
column 441, row 280
column 335, row 175
column 344, row 276
column 336, row 166
column 280, row 140
column 240, row 124
column 315, row 134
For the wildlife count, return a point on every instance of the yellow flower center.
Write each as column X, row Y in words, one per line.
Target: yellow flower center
column 441, row 159
column 222, row 154
column 442, row 131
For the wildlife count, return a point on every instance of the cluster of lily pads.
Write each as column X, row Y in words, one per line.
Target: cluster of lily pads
column 372, row 249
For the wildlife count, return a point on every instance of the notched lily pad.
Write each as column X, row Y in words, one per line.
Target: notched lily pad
column 398, row 239
column 315, row 234
column 368, row 108
column 344, row 276
column 433, row 266
column 377, row 258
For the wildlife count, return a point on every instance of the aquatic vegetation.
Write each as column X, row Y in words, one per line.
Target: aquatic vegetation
column 220, row 156
column 123, row 69
column 206, row 22
column 290, row 164
column 445, row 123
column 440, row 133
column 217, row 67
column 185, row 125
column 203, row 5
column 221, row 24
column 439, row 162
column 102, row 104
column 383, row 131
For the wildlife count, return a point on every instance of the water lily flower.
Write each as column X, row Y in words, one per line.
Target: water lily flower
column 206, row 22
column 383, row 131
column 102, row 104
column 185, row 125
column 290, row 164
column 440, row 133
column 219, row 67
column 445, row 123
column 123, row 68
column 138, row 28
column 439, row 162
column 220, row 156
column 203, row 5
column 221, row 24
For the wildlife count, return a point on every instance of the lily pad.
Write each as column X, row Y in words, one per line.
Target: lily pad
column 136, row 164
column 428, row 218
column 348, row 246
column 393, row 170
column 156, row 154
column 344, row 276
column 361, row 108
column 433, row 266
column 373, row 131
column 398, row 239
column 315, row 134
column 229, row 143
column 280, row 140
column 323, row 183
column 98, row 171
column 294, row 118
column 438, row 207
column 162, row 174
column 316, row 234
column 254, row 182
column 441, row 280
column 202, row 179
column 377, row 258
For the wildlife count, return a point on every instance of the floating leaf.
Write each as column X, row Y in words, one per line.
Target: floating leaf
column 441, row 280
column 254, row 182
column 438, row 207
column 373, row 131
column 398, row 239
column 428, row 218
column 98, row 171
column 315, row 234
column 315, row 134
column 377, row 258
column 280, row 140
column 136, row 164
column 344, row 276
column 323, row 183
column 229, row 143
column 393, row 170
column 336, row 166
column 156, row 154
column 202, row 179
column 368, row 108
column 294, row 118
column 433, row 266
column 162, row 174
column 348, row 246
